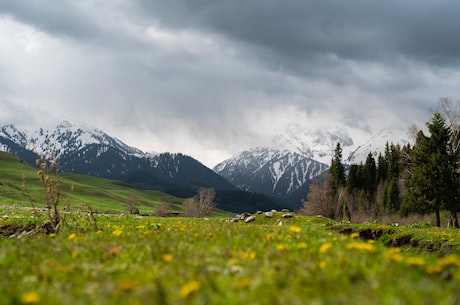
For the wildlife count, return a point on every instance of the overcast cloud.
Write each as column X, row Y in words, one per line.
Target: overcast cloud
column 210, row 78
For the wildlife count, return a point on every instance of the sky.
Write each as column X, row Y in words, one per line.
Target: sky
column 210, row 78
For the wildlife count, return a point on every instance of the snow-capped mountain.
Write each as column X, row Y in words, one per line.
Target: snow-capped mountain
column 317, row 144
column 286, row 169
column 284, row 174
column 65, row 137
column 90, row 151
column 376, row 144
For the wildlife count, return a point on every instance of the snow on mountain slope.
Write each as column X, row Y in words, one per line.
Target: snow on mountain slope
column 64, row 137
column 317, row 144
column 376, row 144
column 286, row 168
column 278, row 173
column 86, row 150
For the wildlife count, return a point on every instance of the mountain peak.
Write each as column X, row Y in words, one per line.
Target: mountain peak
column 317, row 144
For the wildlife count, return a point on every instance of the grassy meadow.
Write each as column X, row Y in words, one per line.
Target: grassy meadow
column 117, row 258
column 20, row 185
column 302, row 260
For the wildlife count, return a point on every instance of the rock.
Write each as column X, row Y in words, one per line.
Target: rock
column 240, row 217
column 259, row 212
column 269, row 214
column 287, row 215
column 285, row 211
column 249, row 219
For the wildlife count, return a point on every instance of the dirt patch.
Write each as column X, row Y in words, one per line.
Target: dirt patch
column 373, row 234
column 400, row 241
column 14, row 229
column 366, row 234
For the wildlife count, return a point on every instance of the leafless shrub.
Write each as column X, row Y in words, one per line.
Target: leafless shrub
column 201, row 205
column 162, row 210
column 320, row 200
column 49, row 176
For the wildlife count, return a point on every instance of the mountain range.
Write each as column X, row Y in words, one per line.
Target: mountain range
column 86, row 150
column 286, row 169
column 283, row 171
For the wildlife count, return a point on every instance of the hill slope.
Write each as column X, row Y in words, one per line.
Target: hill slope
column 85, row 150
column 103, row 194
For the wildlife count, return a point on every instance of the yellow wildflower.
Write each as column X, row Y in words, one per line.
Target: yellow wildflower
column 52, row 235
column 167, row 258
column 72, row 236
column 294, row 229
column 269, row 237
column 364, row 247
column 451, row 260
column 74, row 254
column 434, row 269
column 30, row 298
column 394, row 255
column 302, row 245
column 189, row 288
column 325, row 247
column 281, row 247
column 354, row 235
column 250, row 255
column 117, row 232
column 322, row 264
column 416, row 261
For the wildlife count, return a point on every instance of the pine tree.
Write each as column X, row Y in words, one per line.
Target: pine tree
column 370, row 176
column 337, row 170
column 431, row 184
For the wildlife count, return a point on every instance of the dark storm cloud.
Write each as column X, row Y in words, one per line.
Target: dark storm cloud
column 225, row 74
column 297, row 30
column 56, row 17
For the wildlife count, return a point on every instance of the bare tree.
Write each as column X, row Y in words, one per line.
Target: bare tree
column 451, row 112
column 162, row 210
column 201, row 205
column 320, row 199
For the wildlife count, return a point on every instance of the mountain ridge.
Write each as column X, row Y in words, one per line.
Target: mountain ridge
column 92, row 152
column 286, row 169
column 282, row 170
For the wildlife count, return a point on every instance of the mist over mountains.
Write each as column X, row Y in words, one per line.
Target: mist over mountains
column 282, row 171
column 286, row 169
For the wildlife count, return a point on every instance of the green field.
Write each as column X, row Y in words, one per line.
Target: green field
column 103, row 195
column 303, row 260
column 117, row 258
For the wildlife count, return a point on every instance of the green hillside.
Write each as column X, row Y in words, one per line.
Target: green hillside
column 20, row 185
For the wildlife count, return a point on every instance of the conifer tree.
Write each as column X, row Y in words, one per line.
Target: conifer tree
column 337, row 170
column 370, row 176
column 431, row 183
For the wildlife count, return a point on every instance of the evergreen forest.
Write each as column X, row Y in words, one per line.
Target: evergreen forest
column 418, row 179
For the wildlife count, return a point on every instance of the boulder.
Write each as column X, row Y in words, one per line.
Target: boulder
column 269, row 214
column 249, row 219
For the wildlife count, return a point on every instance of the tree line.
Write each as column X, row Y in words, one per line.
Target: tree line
column 422, row 178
